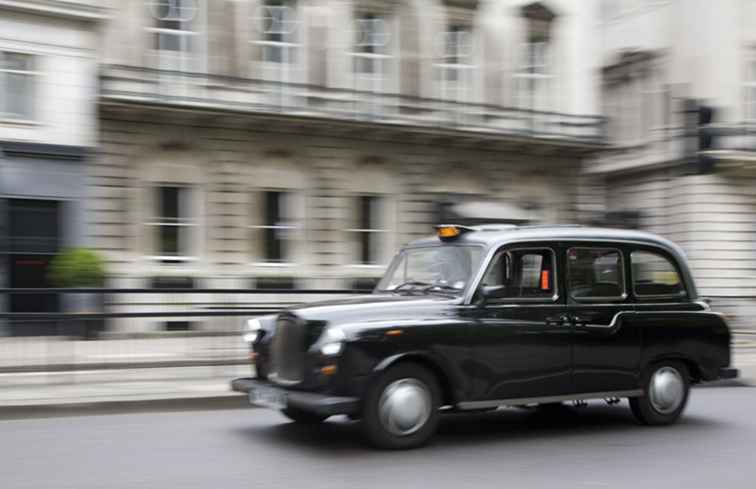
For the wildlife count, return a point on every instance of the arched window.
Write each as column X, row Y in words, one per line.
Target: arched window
column 372, row 56
column 276, row 47
column 176, row 34
column 277, row 32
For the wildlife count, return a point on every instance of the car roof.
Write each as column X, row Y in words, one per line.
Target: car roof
column 497, row 235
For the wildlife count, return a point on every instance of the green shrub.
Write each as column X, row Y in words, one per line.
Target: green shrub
column 77, row 267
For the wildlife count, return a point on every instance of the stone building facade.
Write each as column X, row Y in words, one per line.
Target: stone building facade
column 297, row 144
column 660, row 60
column 48, row 121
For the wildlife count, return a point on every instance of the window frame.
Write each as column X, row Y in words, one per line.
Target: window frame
column 358, row 232
column 553, row 299
column 290, row 41
column 31, row 74
column 749, row 87
column 534, row 84
column 185, row 252
column 684, row 297
column 594, row 299
column 456, row 88
column 257, row 231
column 191, row 35
column 375, row 53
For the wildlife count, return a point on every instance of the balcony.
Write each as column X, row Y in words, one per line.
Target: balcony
column 127, row 85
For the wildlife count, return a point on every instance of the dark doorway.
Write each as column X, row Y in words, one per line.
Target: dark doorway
column 34, row 239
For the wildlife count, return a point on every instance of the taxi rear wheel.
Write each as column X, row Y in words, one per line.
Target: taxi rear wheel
column 302, row 417
column 666, row 386
column 401, row 409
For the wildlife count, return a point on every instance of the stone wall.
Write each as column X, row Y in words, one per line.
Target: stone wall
column 225, row 163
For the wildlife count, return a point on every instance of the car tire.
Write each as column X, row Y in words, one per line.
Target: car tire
column 302, row 417
column 401, row 409
column 666, row 387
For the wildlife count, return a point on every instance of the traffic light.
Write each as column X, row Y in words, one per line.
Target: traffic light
column 705, row 163
column 699, row 136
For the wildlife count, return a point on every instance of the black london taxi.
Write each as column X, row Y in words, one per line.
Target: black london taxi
column 476, row 318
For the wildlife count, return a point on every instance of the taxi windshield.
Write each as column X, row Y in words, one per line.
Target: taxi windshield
column 444, row 268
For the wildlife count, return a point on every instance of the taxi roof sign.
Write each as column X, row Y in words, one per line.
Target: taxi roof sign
column 451, row 231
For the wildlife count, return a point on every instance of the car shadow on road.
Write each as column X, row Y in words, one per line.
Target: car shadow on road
column 506, row 425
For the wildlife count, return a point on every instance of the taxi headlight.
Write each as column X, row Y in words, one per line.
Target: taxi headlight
column 253, row 330
column 332, row 341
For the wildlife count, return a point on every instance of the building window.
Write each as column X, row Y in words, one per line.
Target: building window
column 174, row 31
column 371, row 40
column 454, row 67
column 272, row 237
column 369, row 230
column 534, row 77
column 17, row 82
column 636, row 99
column 172, row 224
column 278, row 25
column 750, row 89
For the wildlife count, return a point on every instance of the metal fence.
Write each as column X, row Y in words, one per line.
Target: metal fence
column 106, row 329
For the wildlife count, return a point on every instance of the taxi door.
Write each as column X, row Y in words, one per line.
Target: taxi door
column 606, row 346
column 522, row 341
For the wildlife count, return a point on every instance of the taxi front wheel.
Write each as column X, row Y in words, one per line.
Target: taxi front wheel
column 666, row 386
column 401, row 409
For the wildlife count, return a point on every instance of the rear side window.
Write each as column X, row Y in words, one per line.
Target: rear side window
column 526, row 273
column 654, row 275
column 595, row 274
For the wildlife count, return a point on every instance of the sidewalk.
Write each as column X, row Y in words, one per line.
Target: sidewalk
column 179, row 387
column 97, row 386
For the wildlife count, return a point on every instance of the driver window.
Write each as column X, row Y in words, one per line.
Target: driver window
column 525, row 273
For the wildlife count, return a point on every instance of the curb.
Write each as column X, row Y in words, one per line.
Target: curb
column 179, row 404
column 125, row 406
column 739, row 382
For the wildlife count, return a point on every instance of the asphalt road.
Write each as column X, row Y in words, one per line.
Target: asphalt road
column 714, row 446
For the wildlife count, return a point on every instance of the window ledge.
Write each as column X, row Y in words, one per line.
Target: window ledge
column 18, row 122
column 265, row 264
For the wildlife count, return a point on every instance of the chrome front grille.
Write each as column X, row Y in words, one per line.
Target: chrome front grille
column 288, row 350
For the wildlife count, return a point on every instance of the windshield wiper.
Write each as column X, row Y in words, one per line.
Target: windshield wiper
column 412, row 283
column 419, row 286
column 442, row 287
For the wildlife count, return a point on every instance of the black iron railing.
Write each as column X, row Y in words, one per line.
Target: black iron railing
column 136, row 328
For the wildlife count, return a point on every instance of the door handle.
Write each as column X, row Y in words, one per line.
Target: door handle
column 561, row 320
column 580, row 321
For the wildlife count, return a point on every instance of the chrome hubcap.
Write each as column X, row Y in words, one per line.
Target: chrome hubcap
column 666, row 390
column 404, row 406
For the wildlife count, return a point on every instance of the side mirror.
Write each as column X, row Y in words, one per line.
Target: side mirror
column 493, row 291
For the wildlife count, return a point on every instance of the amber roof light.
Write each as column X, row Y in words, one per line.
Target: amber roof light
column 451, row 231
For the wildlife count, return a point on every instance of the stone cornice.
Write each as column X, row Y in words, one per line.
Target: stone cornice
column 91, row 11
column 466, row 4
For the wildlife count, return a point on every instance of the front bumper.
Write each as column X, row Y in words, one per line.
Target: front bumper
column 314, row 402
column 728, row 373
